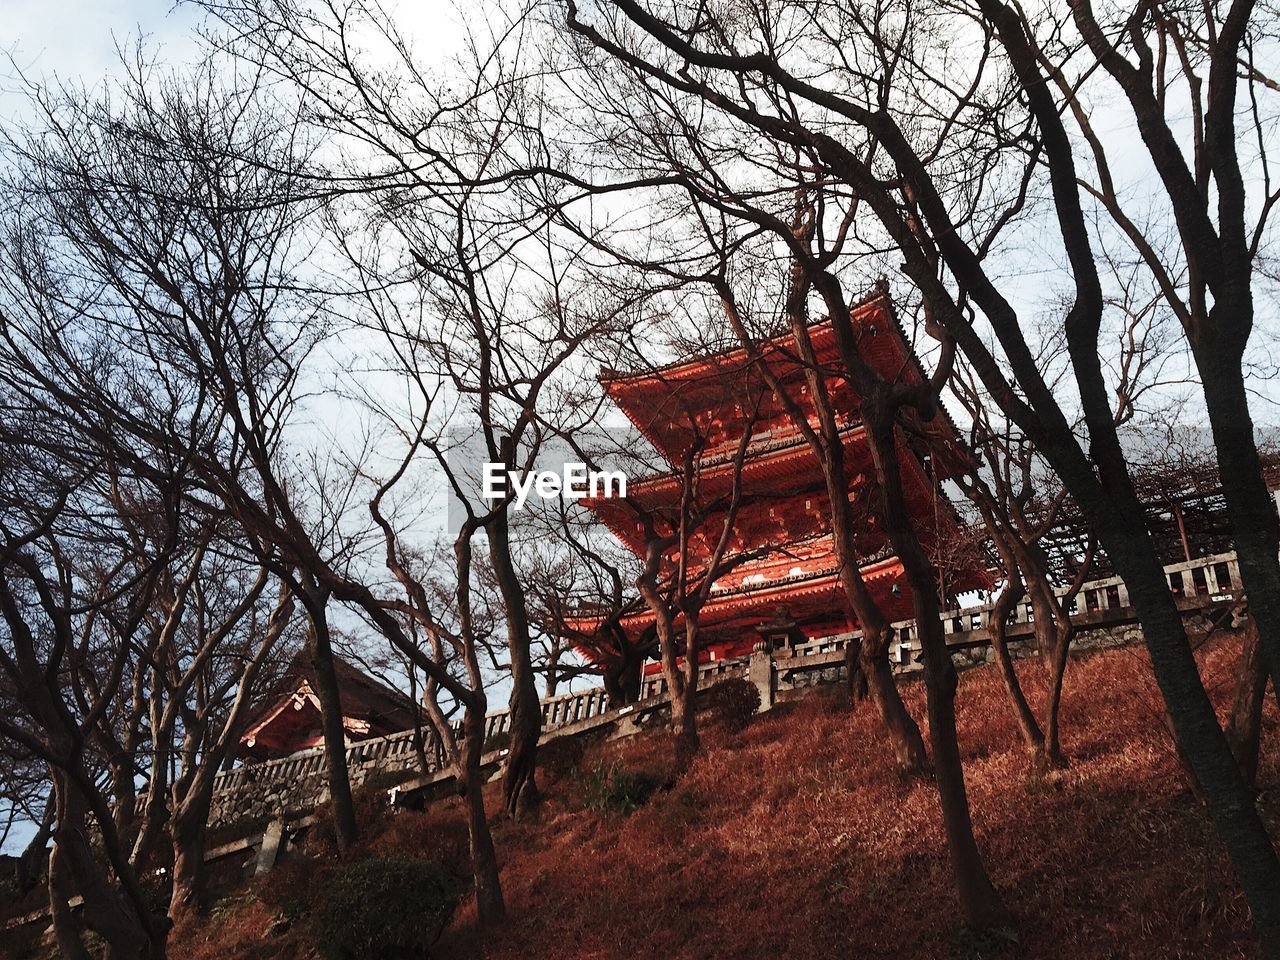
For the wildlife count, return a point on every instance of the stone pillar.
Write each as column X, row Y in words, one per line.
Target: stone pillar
column 626, row 725
column 760, row 673
column 270, row 848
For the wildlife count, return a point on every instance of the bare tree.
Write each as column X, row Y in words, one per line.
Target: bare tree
column 164, row 223
column 76, row 583
column 1019, row 507
column 867, row 660
column 687, row 552
column 1216, row 196
column 581, row 596
column 448, row 188
column 205, row 687
column 882, row 126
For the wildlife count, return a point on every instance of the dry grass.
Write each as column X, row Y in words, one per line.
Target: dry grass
column 796, row 838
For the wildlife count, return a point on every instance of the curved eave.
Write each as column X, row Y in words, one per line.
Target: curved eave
column 695, row 368
column 786, row 455
column 784, row 466
column 742, row 601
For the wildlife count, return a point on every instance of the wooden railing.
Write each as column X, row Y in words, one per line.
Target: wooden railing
column 1211, row 579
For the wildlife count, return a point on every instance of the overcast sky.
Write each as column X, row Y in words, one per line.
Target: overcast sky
column 77, row 38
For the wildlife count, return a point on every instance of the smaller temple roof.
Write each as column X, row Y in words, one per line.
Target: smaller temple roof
column 285, row 720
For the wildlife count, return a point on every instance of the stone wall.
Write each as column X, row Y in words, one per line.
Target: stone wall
column 295, row 785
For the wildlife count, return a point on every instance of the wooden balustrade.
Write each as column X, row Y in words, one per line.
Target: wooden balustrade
column 1214, row 578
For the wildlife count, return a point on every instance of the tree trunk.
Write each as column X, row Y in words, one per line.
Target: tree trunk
column 519, row 783
column 997, row 627
column 1244, row 727
column 1062, row 635
column 1046, row 624
column 873, row 651
column 187, row 890
column 150, row 828
column 1103, row 489
column 1054, row 631
column 622, row 681
column 979, row 901
column 35, row 852
column 1254, row 521
column 74, row 866
column 613, row 688
column 903, row 731
column 684, row 729
column 320, row 652
column 490, row 906
column 187, row 831
column 65, row 929
column 684, row 724
column 855, row 676
column 684, row 711
column 873, row 655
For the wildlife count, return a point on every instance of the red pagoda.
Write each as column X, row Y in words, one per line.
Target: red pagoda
column 790, row 584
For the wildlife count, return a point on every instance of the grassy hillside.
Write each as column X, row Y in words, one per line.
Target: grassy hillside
column 795, row 838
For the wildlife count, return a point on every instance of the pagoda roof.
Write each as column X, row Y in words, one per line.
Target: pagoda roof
column 816, row 590
column 665, row 403
column 732, row 355
column 781, row 453
column 777, row 478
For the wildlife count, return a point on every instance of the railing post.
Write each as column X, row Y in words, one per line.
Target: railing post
column 270, row 848
column 761, row 674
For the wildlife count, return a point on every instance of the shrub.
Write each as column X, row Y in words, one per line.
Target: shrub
column 611, row 788
column 385, row 909
column 733, row 703
column 289, row 889
column 440, row 829
column 372, row 813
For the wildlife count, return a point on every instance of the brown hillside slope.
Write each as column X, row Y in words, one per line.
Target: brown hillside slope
column 795, row 838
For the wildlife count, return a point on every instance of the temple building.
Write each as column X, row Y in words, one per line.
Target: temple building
column 788, row 588
column 288, row 718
